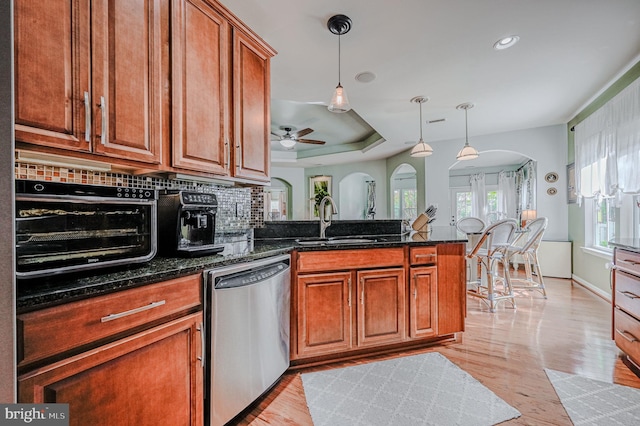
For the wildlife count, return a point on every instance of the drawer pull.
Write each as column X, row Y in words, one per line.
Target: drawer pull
column 624, row 334
column 424, row 255
column 630, row 295
column 628, row 262
column 151, row 305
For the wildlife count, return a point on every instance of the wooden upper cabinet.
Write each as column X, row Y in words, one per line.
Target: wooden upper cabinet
column 52, row 69
column 88, row 77
column 251, row 73
column 127, row 78
column 200, row 42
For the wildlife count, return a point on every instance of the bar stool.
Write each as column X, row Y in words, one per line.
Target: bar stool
column 528, row 250
column 472, row 227
column 490, row 250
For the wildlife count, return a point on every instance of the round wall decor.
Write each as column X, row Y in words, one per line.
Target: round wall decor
column 552, row 191
column 551, row 177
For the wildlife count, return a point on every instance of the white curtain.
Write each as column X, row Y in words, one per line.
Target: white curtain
column 607, row 146
column 507, row 196
column 478, row 196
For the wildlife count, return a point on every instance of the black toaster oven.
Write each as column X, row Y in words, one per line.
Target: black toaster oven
column 63, row 227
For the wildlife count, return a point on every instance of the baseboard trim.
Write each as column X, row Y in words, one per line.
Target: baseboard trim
column 592, row 288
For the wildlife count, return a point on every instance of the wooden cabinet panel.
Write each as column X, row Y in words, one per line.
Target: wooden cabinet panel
column 423, row 298
column 89, row 76
column 628, row 261
column 127, row 79
column 324, row 313
column 153, row 377
column 627, row 334
column 252, row 155
column 423, row 255
column 58, row 329
column 382, row 306
column 349, row 259
column 52, row 69
column 200, row 87
column 627, row 292
column 451, row 288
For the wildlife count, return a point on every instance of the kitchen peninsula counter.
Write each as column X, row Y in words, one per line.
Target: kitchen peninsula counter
column 37, row 293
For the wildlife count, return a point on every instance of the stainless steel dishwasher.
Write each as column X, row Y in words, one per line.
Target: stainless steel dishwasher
column 247, row 327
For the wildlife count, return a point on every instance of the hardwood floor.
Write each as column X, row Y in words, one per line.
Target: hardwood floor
column 507, row 352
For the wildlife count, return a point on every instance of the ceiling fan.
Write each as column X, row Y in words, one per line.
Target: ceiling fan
column 288, row 140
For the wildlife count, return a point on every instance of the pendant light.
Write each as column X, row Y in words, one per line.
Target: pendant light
column 421, row 149
column 467, row 152
column 339, row 24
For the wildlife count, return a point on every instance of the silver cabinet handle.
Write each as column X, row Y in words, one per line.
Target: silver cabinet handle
column 624, row 333
column 87, row 117
column 238, row 157
column 627, row 262
column 349, row 299
column 630, row 295
column 151, row 305
column 103, row 133
column 227, row 154
column 362, row 296
column 425, row 255
column 200, row 328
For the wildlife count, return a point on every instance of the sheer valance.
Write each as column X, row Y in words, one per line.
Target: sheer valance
column 607, row 147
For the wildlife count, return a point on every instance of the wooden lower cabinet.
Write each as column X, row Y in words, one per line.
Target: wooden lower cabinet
column 367, row 299
column 423, row 298
column 150, row 378
column 324, row 313
column 381, row 307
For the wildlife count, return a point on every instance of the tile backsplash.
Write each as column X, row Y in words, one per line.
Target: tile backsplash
column 239, row 208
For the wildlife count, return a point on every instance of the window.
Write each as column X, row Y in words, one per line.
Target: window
column 462, row 202
column 405, row 204
column 604, row 220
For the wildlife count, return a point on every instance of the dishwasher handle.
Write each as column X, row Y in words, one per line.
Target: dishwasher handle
column 248, row 273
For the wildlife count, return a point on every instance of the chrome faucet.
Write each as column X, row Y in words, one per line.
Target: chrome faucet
column 324, row 223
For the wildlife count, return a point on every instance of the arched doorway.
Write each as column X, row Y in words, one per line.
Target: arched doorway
column 403, row 192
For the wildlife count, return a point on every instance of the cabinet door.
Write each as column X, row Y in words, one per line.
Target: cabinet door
column 324, row 313
column 200, row 46
column 422, row 302
column 251, row 80
column 451, row 288
column 52, row 68
column 382, row 306
column 153, row 377
column 127, row 83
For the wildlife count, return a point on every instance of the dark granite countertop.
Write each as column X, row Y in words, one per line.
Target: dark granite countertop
column 38, row 293
column 629, row 243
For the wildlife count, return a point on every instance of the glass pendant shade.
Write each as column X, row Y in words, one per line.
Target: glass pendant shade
column 421, row 149
column 339, row 101
column 288, row 143
column 467, row 153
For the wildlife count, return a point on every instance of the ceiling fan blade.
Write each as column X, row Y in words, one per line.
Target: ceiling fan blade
column 301, row 133
column 311, row 141
column 275, row 134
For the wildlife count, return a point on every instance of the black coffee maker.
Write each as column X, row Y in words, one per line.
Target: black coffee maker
column 187, row 223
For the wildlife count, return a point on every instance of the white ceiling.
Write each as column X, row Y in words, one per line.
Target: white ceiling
column 569, row 50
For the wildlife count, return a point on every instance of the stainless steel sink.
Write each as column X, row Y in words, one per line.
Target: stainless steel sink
column 334, row 241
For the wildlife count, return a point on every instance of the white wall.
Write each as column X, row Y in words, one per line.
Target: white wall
column 295, row 177
column 546, row 145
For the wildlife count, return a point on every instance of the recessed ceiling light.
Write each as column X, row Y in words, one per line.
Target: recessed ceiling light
column 365, row 77
column 506, row 42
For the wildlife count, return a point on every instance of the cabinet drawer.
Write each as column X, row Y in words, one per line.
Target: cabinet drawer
column 627, row 294
column 342, row 260
column 423, row 255
column 628, row 260
column 58, row 329
column 627, row 334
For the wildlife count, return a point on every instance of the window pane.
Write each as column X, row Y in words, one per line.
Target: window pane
column 605, row 223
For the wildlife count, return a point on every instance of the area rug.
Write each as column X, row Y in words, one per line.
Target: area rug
column 592, row 402
column 425, row 389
